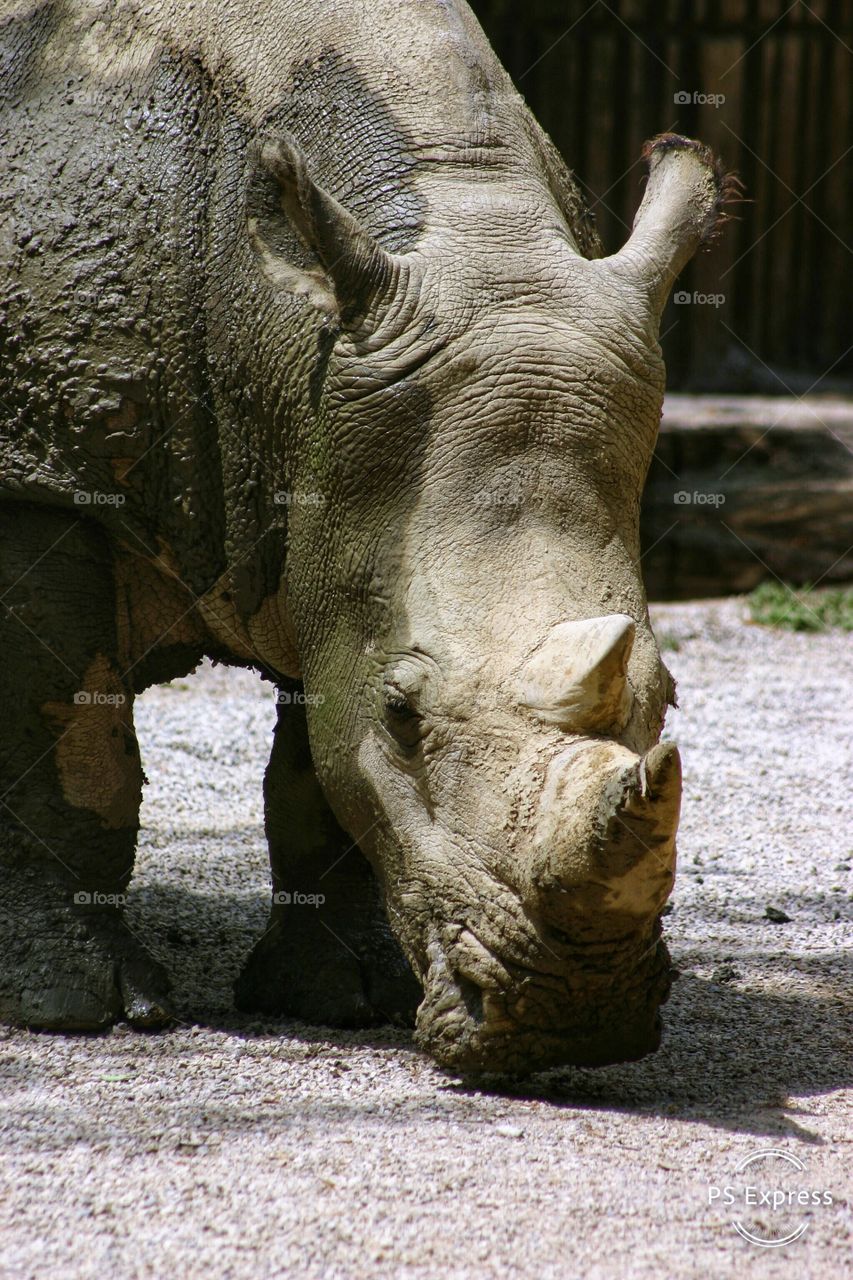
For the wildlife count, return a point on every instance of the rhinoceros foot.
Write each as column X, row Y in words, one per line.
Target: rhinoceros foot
column 80, row 971
column 331, row 974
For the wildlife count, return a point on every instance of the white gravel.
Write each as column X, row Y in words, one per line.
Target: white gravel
column 228, row 1148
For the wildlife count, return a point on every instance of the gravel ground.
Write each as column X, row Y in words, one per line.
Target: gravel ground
column 231, row 1148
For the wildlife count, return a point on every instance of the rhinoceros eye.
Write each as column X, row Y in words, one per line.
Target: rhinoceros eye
column 400, row 716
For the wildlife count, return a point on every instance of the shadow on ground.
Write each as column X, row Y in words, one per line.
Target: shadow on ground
column 733, row 1052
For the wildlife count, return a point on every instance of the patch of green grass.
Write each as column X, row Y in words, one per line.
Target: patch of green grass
column 666, row 640
column 775, row 604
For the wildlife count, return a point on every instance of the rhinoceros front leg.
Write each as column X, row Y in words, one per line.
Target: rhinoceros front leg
column 70, row 786
column 328, row 956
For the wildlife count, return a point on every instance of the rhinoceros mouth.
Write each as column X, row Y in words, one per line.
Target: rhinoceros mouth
column 480, row 1018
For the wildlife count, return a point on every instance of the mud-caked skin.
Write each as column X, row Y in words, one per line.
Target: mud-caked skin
column 310, row 362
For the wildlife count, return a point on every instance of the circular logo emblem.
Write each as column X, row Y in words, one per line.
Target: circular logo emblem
column 769, row 1199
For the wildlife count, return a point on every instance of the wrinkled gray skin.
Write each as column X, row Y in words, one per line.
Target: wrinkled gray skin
column 305, row 305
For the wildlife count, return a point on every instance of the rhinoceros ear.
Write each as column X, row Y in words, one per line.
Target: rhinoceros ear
column 681, row 209
column 353, row 272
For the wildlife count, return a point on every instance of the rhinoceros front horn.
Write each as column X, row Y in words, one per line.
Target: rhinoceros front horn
column 603, row 849
column 577, row 679
column 636, row 859
column 355, row 271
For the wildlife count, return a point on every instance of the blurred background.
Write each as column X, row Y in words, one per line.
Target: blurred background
column 758, row 336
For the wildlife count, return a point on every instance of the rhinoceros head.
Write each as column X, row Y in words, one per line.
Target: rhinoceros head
column 469, row 604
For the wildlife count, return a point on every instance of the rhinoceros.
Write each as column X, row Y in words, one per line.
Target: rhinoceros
column 313, row 364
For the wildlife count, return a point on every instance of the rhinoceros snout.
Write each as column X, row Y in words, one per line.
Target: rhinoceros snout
column 592, row 1011
column 569, row 968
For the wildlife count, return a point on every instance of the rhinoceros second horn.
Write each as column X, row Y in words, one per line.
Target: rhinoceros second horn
column 577, row 678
